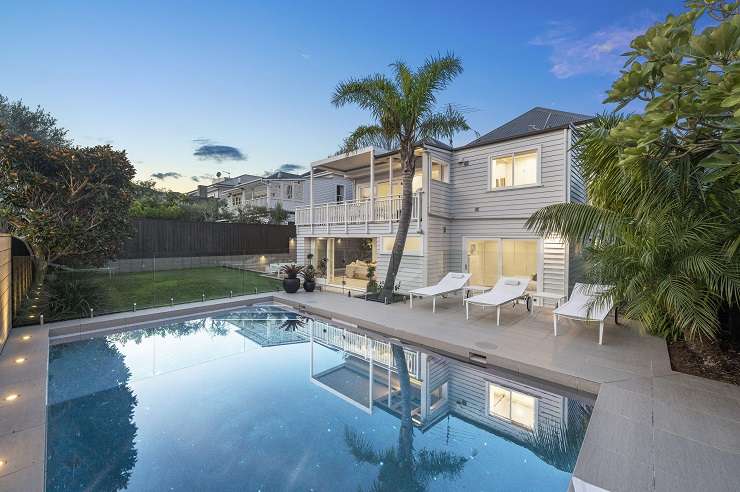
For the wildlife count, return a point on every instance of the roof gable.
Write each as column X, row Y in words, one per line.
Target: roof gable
column 536, row 120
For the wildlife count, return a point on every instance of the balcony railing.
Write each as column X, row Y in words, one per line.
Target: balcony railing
column 385, row 209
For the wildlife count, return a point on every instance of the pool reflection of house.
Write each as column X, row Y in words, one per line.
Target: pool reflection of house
column 268, row 327
column 548, row 423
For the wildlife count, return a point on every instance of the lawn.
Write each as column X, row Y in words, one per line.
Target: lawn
column 71, row 295
column 155, row 289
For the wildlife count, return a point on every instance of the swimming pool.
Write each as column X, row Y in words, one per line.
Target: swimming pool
column 264, row 399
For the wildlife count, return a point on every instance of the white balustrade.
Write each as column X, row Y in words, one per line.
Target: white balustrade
column 386, row 209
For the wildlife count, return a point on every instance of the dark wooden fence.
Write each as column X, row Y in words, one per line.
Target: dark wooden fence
column 173, row 238
column 22, row 280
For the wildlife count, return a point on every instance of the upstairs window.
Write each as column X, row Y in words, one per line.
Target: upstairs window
column 516, row 169
column 440, row 172
column 340, row 193
column 289, row 191
column 236, row 200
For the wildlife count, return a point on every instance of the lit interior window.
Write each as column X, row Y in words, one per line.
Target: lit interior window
column 413, row 245
column 512, row 405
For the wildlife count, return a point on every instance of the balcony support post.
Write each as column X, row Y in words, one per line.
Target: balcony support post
column 310, row 197
column 372, row 185
column 390, row 191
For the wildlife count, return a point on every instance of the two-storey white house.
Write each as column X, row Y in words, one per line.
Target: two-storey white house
column 470, row 205
column 286, row 189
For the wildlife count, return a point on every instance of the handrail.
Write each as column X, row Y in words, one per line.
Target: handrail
column 385, row 209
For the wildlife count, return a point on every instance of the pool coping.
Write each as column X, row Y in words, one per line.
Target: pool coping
column 645, row 433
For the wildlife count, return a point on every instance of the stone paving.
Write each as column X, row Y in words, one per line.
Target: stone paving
column 651, row 429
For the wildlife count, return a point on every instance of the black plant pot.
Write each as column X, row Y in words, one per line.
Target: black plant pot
column 291, row 285
column 309, row 286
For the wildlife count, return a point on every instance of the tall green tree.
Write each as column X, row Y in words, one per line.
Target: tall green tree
column 69, row 204
column 663, row 220
column 405, row 114
column 18, row 119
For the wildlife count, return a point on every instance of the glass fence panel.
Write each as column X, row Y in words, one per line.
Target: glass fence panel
column 131, row 285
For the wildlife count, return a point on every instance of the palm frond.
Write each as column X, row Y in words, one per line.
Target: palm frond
column 443, row 125
column 576, row 222
column 369, row 135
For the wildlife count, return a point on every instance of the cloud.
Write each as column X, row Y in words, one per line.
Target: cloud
column 290, row 168
column 198, row 179
column 597, row 52
column 165, row 175
column 207, row 149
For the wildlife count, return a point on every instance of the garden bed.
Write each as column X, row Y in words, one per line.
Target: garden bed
column 375, row 297
column 709, row 360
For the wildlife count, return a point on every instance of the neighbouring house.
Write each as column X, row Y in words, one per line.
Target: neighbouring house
column 286, row 189
column 470, row 205
column 220, row 185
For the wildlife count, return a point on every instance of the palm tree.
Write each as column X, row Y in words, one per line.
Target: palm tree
column 402, row 469
column 657, row 229
column 405, row 115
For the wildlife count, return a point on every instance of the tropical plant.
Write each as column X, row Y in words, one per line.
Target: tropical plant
column 291, row 270
column 72, row 295
column 309, row 273
column 152, row 203
column 664, row 186
column 405, row 116
column 402, row 468
column 322, row 267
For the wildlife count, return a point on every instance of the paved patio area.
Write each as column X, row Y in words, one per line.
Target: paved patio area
column 651, row 429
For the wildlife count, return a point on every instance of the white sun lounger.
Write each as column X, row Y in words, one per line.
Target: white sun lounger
column 507, row 289
column 581, row 306
column 451, row 282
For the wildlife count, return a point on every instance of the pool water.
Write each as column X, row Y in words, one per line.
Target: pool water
column 263, row 399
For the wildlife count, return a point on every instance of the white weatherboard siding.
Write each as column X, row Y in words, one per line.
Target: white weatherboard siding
column 410, row 273
column 437, row 249
column 577, row 192
column 503, row 213
column 468, row 397
column 471, row 185
column 325, row 189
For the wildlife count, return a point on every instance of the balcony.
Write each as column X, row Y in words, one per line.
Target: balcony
column 379, row 210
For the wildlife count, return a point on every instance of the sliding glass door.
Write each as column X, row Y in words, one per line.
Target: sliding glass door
column 488, row 259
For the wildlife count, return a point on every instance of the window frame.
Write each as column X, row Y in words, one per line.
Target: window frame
column 343, row 194
column 519, row 150
column 382, row 251
column 445, row 171
column 289, row 192
column 489, row 410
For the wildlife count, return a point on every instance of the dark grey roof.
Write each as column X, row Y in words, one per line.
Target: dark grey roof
column 283, row 175
column 536, row 120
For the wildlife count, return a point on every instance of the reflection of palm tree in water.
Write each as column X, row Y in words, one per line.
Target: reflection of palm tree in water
column 559, row 443
column 400, row 468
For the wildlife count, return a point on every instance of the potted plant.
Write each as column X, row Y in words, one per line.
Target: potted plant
column 309, row 278
column 291, row 282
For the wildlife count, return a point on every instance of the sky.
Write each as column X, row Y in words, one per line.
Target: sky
column 190, row 89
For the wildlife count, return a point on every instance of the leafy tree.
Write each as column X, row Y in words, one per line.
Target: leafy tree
column 278, row 215
column 18, row 119
column 69, row 204
column 664, row 185
column 404, row 113
column 253, row 215
column 151, row 203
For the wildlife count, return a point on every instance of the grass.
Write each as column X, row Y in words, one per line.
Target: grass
column 117, row 293
column 156, row 289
